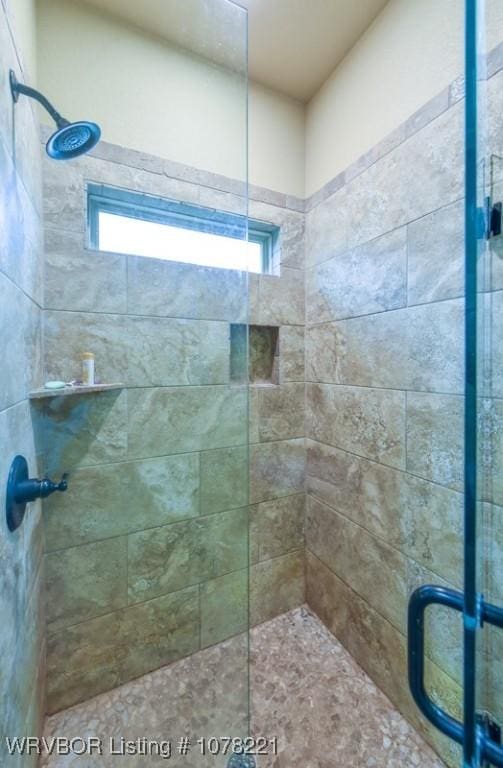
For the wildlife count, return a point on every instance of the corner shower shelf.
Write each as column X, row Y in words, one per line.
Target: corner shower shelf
column 82, row 389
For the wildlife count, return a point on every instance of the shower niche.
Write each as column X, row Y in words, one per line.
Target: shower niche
column 263, row 354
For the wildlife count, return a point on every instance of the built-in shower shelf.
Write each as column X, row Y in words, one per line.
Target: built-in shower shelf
column 77, row 389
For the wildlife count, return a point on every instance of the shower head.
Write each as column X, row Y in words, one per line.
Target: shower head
column 71, row 139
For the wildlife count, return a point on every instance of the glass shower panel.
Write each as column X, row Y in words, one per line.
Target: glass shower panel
column 489, row 674
column 147, row 551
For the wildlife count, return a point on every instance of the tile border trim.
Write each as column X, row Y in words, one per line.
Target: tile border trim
column 426, row 114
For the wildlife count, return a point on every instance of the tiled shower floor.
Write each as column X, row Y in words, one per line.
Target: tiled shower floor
column 305, row 689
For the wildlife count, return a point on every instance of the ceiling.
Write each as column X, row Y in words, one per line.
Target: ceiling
column 294, row 45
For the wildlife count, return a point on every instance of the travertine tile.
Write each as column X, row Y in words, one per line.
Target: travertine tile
column 493, row 315
column 417, row 348
column 326, row 228
column 277, row 527
column 86, row 581
column 427, row 112
column 172, row 289
column 280, row 299
column 163, row 560
column 433, row 177
column 276, row 586
column 422, row 519
column 12, row 377
column 68, row 334
column 368, row 279
column 491, row 260
column 224, row 607
column 276, row 469
column 99, row 654
column 150, row 181
column 279, row 412
column 435, row 438
column 165, row 352
column 115, row 499
column 19, row 572
column 81, row 430
column 21, row 292
column 174, row 420
column 82, row 280
column 368, row 422
column 436, row 255
column 23, row 699
column 380, row 650
column 224, row 479
column 375, row 571
column 291, row 353
column 64, row 196
column 21, row 232
column 491, row 450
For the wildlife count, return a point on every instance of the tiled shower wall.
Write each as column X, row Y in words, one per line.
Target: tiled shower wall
column 146, row 554
column 382, row 310
column 384, row 372
column 21, row 606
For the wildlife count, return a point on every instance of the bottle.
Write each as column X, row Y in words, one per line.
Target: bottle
column 87, row 368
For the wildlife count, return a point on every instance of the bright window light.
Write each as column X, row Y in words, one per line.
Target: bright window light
column 121, row 234
column 122, row 221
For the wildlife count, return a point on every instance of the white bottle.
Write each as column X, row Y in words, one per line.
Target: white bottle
column 88, row 369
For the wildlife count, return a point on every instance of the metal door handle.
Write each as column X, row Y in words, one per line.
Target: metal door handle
column 420, row 599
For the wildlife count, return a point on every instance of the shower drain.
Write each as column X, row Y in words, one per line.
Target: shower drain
column 241, row 761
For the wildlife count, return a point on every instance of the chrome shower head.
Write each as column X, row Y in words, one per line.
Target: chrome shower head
column 71, row 139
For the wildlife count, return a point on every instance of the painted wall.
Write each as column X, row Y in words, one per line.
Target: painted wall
column 409, row 54
column 22, row 16
column 22, row 650
column 276, row 141
column 152, row 97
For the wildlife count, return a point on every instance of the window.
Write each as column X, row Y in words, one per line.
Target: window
column 122, row 221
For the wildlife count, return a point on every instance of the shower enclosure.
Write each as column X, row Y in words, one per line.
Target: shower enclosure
column 296, row 401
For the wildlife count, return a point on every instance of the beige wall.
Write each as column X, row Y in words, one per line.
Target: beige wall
column 22, row 19
column 149, row 96
column 276, row 141
column 412, row 50
column 410, row 53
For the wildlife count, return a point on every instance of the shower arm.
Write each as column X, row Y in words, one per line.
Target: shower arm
column 19, row 88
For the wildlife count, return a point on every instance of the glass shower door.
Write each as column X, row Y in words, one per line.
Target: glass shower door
column 146, row 554
column 484, row 113
column 480, row 603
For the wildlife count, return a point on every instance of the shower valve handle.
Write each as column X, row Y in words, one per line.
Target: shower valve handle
column 21, row 489
column 32, row 489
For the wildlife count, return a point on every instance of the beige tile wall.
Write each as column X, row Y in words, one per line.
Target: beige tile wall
column 384, row 404
column 22, row 650
column 147, row 552
column 366, row 417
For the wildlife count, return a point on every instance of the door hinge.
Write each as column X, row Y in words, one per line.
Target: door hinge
column 493, row 218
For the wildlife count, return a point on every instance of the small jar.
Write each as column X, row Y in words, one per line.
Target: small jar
column 87, row 368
